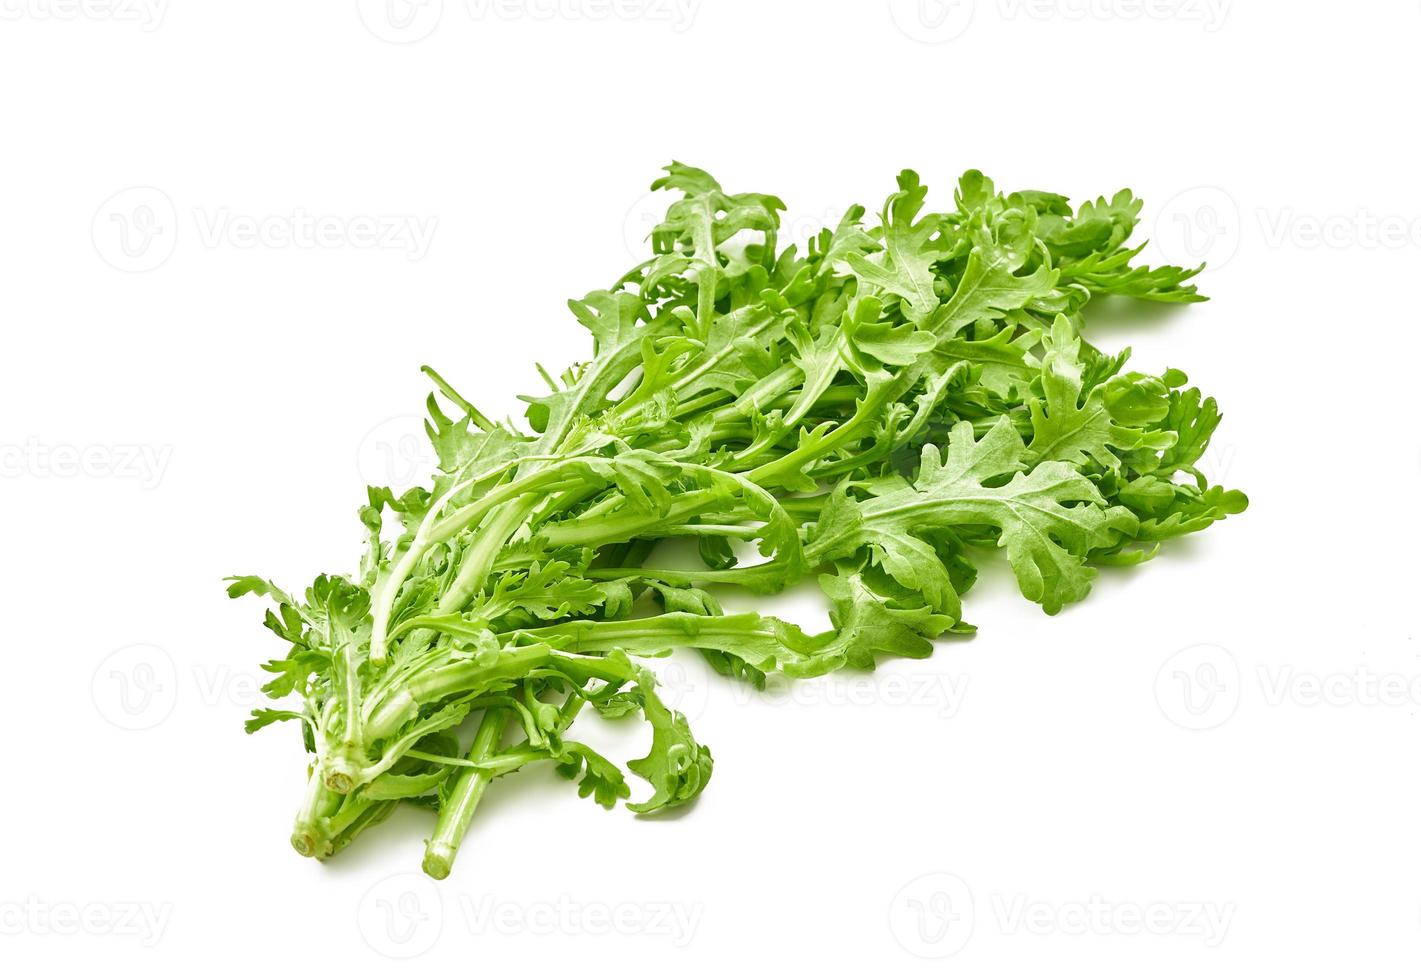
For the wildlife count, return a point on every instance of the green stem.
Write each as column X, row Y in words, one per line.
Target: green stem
column 769, row 474
column 477, row 417
column 348, row 756
column 402, row 705
column 580, row 532
column 458, row 810
column 431, row 531
column 478, row 561
column 377, row 811
column 311, row 836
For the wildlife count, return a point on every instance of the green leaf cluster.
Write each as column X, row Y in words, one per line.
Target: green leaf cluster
column 878, row 410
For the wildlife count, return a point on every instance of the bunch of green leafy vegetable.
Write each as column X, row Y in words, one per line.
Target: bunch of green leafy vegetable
column 877, row 410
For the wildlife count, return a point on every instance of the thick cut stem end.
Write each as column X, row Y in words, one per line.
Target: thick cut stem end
column 438, row 859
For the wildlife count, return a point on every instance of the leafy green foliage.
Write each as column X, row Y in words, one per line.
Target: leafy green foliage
column 877, row 411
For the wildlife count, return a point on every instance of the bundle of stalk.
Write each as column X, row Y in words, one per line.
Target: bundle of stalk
column 878, row 411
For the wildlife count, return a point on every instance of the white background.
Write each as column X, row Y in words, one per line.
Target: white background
column 1222, row 743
